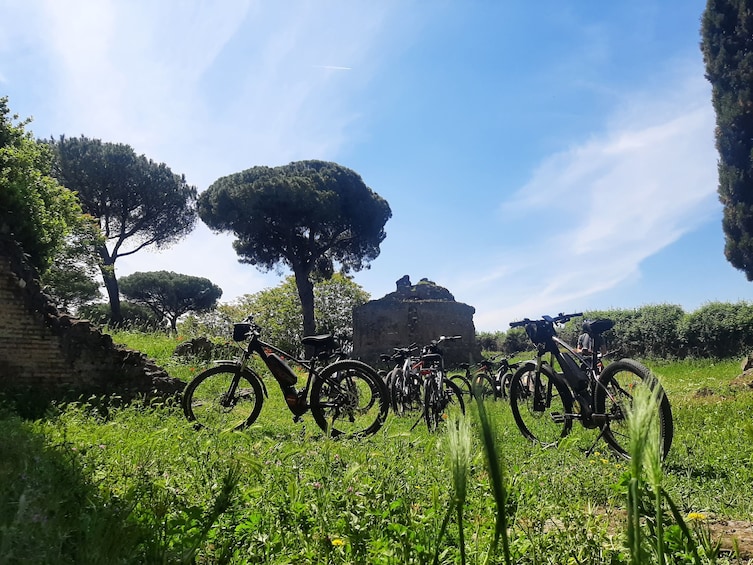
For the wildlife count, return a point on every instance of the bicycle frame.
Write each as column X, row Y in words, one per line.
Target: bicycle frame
column 295, row 399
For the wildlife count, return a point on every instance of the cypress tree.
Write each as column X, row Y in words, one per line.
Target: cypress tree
column 727, row 47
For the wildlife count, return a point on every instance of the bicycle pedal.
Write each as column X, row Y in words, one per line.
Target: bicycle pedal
column 558, row 418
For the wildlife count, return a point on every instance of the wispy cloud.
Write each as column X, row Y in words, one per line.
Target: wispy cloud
column 209, row 91
column 593, row 213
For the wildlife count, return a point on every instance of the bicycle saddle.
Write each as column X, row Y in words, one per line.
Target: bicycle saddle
column 597, row 327
column 323, row 341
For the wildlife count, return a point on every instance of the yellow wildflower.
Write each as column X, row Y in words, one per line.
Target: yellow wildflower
column 696, row 517
column 337, row 542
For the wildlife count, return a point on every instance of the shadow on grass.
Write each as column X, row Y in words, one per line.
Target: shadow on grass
column 50, row 512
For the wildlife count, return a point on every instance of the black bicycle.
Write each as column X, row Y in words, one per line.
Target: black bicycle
column 489, row 378
column 545, row 402
column 404, row 381
column 441, row 395
column 346, row 397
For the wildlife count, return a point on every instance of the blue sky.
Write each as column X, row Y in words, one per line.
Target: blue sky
column 538, row 157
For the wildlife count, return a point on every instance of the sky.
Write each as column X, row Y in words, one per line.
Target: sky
column 538, row 157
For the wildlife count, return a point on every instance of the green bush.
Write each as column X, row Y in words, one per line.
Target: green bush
column 663, row 331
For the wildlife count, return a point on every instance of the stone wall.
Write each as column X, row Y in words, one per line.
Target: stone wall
column 46, row 350
column 414, row 314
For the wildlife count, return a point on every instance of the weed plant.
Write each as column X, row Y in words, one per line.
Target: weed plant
column 140, row 485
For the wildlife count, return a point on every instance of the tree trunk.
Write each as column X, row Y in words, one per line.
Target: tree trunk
column 306, row 294
column 111, row 285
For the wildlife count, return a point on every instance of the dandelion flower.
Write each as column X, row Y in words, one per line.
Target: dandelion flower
column 337, row 542
column 696, row 517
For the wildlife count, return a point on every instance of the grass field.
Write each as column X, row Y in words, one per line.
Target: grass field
column 139, row 485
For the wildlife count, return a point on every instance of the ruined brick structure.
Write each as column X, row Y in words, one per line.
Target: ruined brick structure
column 416, row 314
column 53, row 353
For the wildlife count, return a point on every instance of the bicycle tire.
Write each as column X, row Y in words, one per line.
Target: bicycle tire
column 541, row 420
column 462, row 383
column 396, row 386
column 438, row 404
column 483, row 385
column 208, row 402
column 613, row 397
column 349, row 399
column 504, row 386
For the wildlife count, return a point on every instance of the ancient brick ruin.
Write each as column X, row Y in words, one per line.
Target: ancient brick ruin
column 416, row 314
column 54, row 354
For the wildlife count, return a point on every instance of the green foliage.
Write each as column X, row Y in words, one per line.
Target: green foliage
column 133, row 315
column 71, row 279
column 718, row 330
column 663, row 331
column 278, row 311
column 490, row 341
column 140, row 485
column 137, row 202
column 727, row 46
column 170, row 295
column 515, row 341
column 34, row 208
column 307, row 216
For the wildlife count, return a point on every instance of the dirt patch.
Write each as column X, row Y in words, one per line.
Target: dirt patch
column 736, row 536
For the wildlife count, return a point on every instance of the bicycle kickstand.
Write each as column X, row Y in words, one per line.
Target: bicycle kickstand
column 591, row 449
column 420, row 416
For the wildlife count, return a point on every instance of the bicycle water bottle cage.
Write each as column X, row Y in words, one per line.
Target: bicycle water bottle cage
column 281, row 370
column 241, row 331
column 597, row 327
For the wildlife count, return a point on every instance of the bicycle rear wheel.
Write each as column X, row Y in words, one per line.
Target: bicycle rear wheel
column 348, row 398
column 615, row 391
column 504, row 384
column 223, row 398
column 540, row 404
column 462, row 383
column 484, row 386
column 406, row 393
column 441, row 401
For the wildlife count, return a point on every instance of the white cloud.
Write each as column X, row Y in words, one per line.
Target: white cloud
column 590, row 215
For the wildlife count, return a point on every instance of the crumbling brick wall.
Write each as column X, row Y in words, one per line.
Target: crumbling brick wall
column 50, row 351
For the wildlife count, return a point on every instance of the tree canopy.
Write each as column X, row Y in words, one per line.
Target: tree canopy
column 727, row 46
column 34, row 208
column 277, row 311
column 137, row 202
column 170, row 295
column 71, row 280
column 307, row 216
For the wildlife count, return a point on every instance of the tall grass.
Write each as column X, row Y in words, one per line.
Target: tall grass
column 139, row 485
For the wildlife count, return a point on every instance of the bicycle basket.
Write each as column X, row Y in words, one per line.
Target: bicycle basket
column 593, row 327
column 539, row 332
column 241, row 331
column 281, row 370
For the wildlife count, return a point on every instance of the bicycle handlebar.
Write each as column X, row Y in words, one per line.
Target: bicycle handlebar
column 558, row 319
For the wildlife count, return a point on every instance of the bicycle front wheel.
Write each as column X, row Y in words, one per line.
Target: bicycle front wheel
column 614, row 396
column 541, row 405
column 348, row 398
column 441, row 401
column 223, row 398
